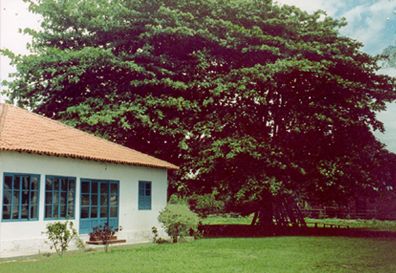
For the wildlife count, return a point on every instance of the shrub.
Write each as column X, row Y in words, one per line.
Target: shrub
column 156, row 238
column 176, row 199
column 178, row 221
column 60, row 234
column 104, row 234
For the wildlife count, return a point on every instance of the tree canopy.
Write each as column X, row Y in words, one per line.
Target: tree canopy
column 248, row 97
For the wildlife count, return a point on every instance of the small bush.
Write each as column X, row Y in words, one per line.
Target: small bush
column 178, row 221
column 104, row 234
column 175, row 199
column 60, row 234
column 156, row 238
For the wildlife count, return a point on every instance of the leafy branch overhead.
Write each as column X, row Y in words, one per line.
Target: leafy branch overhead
column 241, row 94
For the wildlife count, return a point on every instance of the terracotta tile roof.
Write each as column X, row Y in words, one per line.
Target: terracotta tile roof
column 23, row 131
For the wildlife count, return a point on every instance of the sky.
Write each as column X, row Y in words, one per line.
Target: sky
column 372, row 22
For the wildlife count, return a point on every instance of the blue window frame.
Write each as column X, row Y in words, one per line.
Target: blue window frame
column 21, row 194
column 60, row 192
column 144, row 199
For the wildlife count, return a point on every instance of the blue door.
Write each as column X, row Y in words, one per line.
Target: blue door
column 98, row 204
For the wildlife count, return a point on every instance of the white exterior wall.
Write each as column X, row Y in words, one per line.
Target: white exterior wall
column 25, row 237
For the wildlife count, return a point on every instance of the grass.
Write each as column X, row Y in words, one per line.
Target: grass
column 250, row 255
column 226, row 220
column 359, row 223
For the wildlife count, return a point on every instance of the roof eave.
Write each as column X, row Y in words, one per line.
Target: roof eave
column 168, row 166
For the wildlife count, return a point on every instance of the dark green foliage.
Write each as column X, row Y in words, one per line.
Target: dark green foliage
column 206, row 204
column 178, row 221
column 249, row 98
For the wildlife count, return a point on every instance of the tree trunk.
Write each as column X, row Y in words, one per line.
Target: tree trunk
column 266, row 210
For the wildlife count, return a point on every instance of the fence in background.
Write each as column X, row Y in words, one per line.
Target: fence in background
column 332, row 212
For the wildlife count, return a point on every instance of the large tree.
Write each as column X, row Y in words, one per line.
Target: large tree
column 250, row 98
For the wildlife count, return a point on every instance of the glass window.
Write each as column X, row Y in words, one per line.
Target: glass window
column 144, row 195
column 59, row 197
column 21, row 196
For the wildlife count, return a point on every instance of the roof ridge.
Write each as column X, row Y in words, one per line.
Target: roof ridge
column 82, row 132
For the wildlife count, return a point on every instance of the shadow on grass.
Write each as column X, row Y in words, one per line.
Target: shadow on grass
column 232, row 230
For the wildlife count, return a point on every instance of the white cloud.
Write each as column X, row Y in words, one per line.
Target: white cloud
column 390, row 71
column 14, row 15
column 371, row 23
column 330, row 6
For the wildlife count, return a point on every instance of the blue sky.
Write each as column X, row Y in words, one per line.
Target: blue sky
column 372, row 22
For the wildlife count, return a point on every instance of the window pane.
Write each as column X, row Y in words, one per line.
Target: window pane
column 7, row 198
column 34, row 198
column 62, row 211
column 15, row 208
column 94, row 199
column 94, row 212
column 48, row 211
column 70, row 211
column 103, row 212
column 85, row 200
column 25, row 212
column 33, row 212
column 70, row 196
column 141, row 188
column 94, row 187
column 55, row 197
column 48, row 198
column 17, row 185
column 103, row 199
column 148, row 189
column 84, row 187
column 63, row 198
column 145, row 202
column 70, row 204
column 49, row 183
column 104, row 188
column 25, row 182
column 15, row 203
column 56, row 183
column 63, row 182
column 113, row 188
column 113, row 211
column 34, row 183
column 55, row 212
column 25, row 198
column 72, row 184
column 84, row 212
column 113, row 200
column 6, row 212
column 7, row 182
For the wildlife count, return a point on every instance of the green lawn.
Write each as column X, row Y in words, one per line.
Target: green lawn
column 250, row 255
column 368, row 224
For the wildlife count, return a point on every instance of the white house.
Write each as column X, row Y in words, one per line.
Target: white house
column 51, row 172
